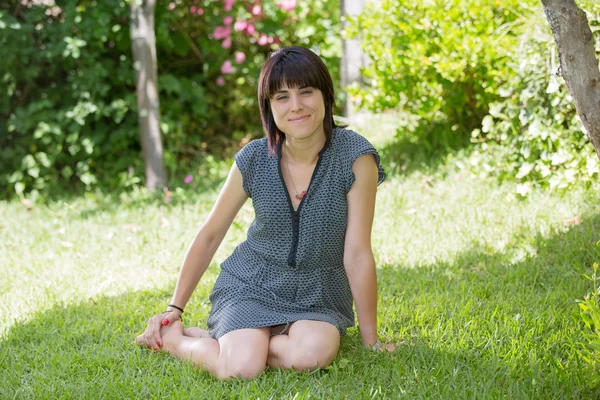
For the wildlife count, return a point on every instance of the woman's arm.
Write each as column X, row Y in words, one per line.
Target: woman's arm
column 358, row 255
column 199, row 255
column 209, row 237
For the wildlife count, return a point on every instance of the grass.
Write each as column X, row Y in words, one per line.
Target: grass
column 480, row 283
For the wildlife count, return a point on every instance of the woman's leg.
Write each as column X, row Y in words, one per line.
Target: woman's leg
column 238, row 353
column 307, row 346
column 196, row 332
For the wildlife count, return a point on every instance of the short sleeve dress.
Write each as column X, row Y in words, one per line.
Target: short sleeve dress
column 291, row 267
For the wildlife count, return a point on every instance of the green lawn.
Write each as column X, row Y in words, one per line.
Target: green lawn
column 481, row 283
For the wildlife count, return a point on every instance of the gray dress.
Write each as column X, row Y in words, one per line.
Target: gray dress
column 291, row 265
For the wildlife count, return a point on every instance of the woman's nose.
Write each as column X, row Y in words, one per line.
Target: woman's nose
column 296, row 102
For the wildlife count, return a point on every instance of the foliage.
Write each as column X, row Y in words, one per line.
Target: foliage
column 479, row 72
column 590, row 315
column 68, row 90
column 533, row 131
column 441, row 60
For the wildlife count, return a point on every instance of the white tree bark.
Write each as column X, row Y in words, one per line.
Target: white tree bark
column 353, row 58
column 143, row 43
column 578, row 63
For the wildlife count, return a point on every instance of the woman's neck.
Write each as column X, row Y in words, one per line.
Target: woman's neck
column 304, row 151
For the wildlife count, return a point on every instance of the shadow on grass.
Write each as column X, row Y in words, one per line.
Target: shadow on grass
column 482, row 326
column 513, row 316
column 425, row 150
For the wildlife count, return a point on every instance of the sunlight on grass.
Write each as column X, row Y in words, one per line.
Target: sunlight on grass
column 480, row 283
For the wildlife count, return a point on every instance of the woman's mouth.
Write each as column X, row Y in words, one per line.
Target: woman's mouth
column 300, row 119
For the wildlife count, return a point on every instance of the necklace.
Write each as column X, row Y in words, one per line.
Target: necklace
column 298, row 195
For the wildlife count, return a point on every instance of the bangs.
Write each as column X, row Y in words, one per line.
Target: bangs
column 292, row 71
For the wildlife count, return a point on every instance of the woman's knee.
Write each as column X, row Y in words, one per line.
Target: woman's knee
column 315, row 351
column 244, row 367
column 242, row 354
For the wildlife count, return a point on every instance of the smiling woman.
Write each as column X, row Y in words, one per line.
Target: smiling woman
column 285, row 296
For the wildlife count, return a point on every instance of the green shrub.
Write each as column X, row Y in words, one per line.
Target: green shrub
column 439, row 60
column 68, row 113
column 482, row 72
column 533, row 131
column 589, row 312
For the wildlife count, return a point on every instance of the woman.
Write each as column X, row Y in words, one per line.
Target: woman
column 284, row 297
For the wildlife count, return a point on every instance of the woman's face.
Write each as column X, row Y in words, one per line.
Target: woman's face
column 298, row 112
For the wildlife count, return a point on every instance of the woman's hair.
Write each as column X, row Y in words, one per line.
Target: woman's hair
column 296, row 67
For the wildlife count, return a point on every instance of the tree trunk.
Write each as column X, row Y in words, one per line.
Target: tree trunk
column 578, row 63
column 353, row 58
column 143, row 43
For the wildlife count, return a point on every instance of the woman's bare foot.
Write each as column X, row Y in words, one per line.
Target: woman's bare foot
column 196, row 332
column 171, row 334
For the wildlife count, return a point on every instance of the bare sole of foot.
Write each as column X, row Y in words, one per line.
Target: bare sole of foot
column 196, row 332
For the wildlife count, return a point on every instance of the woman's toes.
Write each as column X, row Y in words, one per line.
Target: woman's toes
column 140, row 340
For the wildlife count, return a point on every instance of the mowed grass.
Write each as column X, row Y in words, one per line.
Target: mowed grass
column 479, row 283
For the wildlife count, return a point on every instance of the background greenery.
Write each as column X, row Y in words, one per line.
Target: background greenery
column 481, row 76
column 68, row 113
column 471, row 76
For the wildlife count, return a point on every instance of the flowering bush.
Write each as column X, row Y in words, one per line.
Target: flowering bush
column 69, row 89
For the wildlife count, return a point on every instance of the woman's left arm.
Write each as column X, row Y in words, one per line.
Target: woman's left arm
column 358, row 255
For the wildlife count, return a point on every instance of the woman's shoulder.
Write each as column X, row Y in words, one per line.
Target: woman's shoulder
column 255, row 144
column 253, row 148
column 345, row 140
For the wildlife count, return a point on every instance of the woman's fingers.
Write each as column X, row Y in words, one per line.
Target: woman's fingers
column 391, row 347
column 151, row 336
column 170, row 317
column 154, row 332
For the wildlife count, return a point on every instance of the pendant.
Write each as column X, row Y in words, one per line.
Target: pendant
column 300, row 196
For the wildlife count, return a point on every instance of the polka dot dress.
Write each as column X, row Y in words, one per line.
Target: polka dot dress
column 291, row 265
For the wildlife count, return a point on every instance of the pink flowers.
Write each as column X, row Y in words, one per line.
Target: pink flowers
column 227, row 68
column 188, row 179
column 263, row 39
column 227, row 20
column 220, row 81
column 256, row 10
column 228, row 5
column 240, row 25
column 222, row 32
column 240, row 57
column 287, row 5
column 250, row 29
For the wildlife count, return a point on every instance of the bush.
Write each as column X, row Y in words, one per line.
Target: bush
column 440, row 60
column 482, row 72
column 534, row 127
column 589, row 312
column 70, row 105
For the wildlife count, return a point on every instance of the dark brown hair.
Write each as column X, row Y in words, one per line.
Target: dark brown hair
column 296, row 67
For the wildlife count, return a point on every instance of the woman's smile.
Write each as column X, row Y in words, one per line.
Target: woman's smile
column 300, row 119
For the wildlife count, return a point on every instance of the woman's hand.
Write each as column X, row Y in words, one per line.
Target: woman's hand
column 151, row 336
column 387, row 347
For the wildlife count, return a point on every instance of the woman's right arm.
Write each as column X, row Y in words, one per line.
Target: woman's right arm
column 231, row 198
column 208, row 239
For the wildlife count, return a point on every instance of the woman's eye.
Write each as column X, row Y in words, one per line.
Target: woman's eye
column 282, row 98
column 307, row 92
